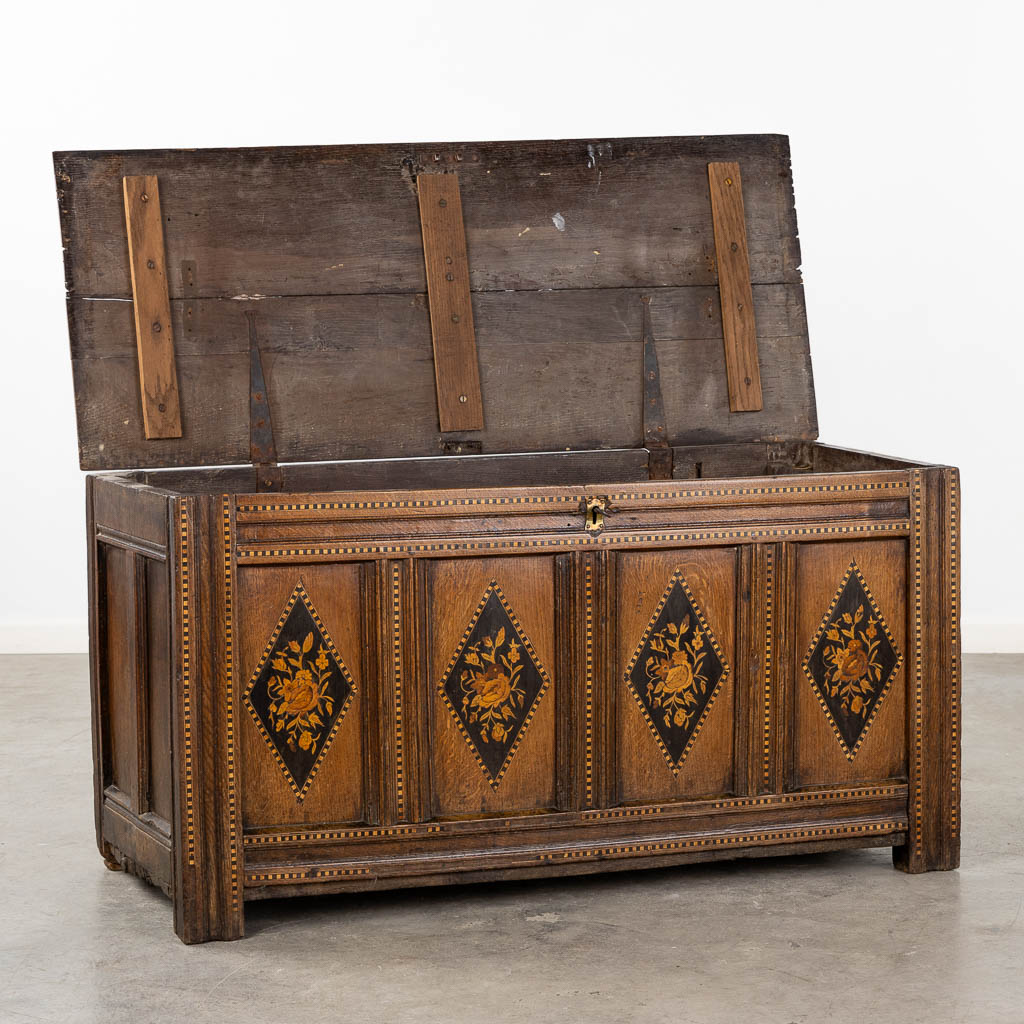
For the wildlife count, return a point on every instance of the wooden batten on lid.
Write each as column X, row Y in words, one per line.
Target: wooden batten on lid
column 743, row 371
column 459, row 404
column 158, row 375
column 573, row 265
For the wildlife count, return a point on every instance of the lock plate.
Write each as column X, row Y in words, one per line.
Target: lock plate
column 595, row 511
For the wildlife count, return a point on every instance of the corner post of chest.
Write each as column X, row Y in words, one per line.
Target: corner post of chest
column 208, row 869
column 933, row 674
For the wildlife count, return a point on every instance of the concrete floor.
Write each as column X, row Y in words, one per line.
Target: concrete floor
column 838, row 937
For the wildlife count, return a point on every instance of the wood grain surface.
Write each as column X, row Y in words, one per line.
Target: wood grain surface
column 708, row 770
column 340, row 790
column 456, row 370
column 562, row 240
column 452, row 591
column 154, row 335
column 743, row 374
column 817, row 758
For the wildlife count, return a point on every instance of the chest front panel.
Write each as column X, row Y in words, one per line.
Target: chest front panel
column 548, row 669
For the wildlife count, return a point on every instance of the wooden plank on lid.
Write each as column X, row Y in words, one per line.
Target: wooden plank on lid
column 154, row 338
column 456, row 368
column 738, row 327
column 326, row 244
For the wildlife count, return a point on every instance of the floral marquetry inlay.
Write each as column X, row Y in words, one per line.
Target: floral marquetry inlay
column 493, row 684
column 299, row 692
column 676, row 672
column 852, row 661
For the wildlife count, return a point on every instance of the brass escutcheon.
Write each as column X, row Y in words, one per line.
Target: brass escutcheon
column 595, row 514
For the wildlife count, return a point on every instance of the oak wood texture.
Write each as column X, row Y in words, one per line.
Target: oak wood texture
column 815, row 758
column 643, row 774
column 191, row 568
column 326, row 244
column 655, row 432
column 396, row 575
column 456, row 368
column 154, row 336
column 451, row 592
column 559, row 369
column 344, row 789
column 933, row 667
column 739, row 329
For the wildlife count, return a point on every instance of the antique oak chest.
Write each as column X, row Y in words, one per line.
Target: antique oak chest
column 463, row 519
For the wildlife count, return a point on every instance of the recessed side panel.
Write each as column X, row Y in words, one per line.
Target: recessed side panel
column 302, row 680
column 118, row 659
column 849, row 671
column 490, row 686
column 675, row 688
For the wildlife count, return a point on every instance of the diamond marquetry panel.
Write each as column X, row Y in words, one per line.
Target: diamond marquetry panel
column 493, row 684
column 676, row 672
column 299, row 692
column 852, row 661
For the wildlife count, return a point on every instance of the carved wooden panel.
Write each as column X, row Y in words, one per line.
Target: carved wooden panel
column 299, row 692
column 490, row 688
column 302, row 727
column 848, row 676
column 675, row 687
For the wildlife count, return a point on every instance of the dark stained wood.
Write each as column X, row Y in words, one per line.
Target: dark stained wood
column 154, row 337
column 441, row 872
column 159, row 690
column 398, row 533
column 595, row 786
column 234, row 214
column 456, row 369
column 738, row 326
column 829, row 459
column 655, row 431
column 933, row 674
column 344, row 323
column 119, row 675
column 558, row 370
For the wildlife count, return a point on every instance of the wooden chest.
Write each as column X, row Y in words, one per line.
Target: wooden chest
column 526, row 561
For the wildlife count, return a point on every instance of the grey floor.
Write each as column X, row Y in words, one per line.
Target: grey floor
column 838, row 937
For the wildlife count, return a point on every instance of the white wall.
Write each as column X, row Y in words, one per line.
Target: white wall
column 904, row 120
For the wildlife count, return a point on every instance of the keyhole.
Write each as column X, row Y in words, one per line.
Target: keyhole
column 594, row 519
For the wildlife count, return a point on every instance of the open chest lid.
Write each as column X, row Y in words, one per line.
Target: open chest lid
column 363, row 302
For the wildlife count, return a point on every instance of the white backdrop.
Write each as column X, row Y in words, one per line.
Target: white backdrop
column 904, row 122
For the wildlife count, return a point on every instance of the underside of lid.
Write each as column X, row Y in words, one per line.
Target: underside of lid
column 309, row 264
